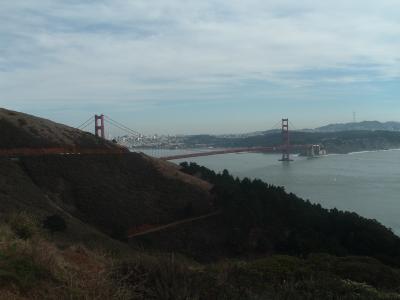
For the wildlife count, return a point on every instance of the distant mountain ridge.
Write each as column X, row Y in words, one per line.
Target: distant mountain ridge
column 335, row 127
column 365, row 125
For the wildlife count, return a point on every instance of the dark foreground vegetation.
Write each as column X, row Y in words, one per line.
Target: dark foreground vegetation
column 280, row 247
column 33, row 267
column 266, row 244
column 269, row 220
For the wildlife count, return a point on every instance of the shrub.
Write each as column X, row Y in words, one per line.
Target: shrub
column 19, row 270
column 54, row 223
column 38, row 269
column 161, row 278
column 23, row 225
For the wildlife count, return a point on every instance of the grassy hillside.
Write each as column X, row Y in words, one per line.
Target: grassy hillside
column 21, row 130
column 18, row 193
column 115, row 192
column 63, row 223
column 111, row 193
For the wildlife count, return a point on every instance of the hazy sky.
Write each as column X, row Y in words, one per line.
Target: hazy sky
column 190, row 66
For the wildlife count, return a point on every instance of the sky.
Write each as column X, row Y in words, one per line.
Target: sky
column 210, row 66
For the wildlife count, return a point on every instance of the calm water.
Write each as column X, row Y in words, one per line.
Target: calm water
column 367, row 183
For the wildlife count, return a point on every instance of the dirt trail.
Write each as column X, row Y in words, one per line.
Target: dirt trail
column 177, row 223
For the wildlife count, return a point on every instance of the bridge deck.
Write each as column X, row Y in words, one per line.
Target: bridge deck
column 233, row 150
column 122, row 150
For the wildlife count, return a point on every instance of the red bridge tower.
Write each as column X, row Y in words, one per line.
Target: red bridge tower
column 99, row 126
column 285, row 140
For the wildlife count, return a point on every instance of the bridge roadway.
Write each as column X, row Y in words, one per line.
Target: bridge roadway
column 122, row 150
column 235, row 150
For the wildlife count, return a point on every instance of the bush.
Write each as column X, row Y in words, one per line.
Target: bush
column 19, row 270
column 38, row 269
column 54, row 223
column 23, row 225
column 164, row 278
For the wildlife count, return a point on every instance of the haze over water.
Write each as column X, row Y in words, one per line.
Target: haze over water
column 366, row 182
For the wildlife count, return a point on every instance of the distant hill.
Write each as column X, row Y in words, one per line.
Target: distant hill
column 335, row 142
column 365, row 125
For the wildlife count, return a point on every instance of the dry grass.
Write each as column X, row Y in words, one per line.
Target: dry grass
column 53, row 132
column 34, row 268
column 173, row 171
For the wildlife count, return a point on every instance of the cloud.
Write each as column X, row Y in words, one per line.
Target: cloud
column 155, row 49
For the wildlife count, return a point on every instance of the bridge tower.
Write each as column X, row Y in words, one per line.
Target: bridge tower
column 285, row 140
column 99, row 126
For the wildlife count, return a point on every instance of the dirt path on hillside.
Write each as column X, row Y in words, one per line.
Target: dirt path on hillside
column 177, row 223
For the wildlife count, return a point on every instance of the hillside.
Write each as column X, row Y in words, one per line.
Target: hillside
column 334, row 142
column 263, row 244
column 34, row 268
column 115, row 193
column 21, row 130
column 261, row 219
column 365, row 125
column 100, row 195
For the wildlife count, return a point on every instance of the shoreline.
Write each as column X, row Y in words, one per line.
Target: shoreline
column 371, row 151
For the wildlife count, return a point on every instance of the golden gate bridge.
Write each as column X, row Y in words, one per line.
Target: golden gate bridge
column 99, row 121
column 285, row 148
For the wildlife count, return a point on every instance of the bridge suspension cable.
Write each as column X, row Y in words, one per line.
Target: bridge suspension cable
column 111, row 121
column 86, row 123
column 122, row 126
column 277, row 126
column 292, row 126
